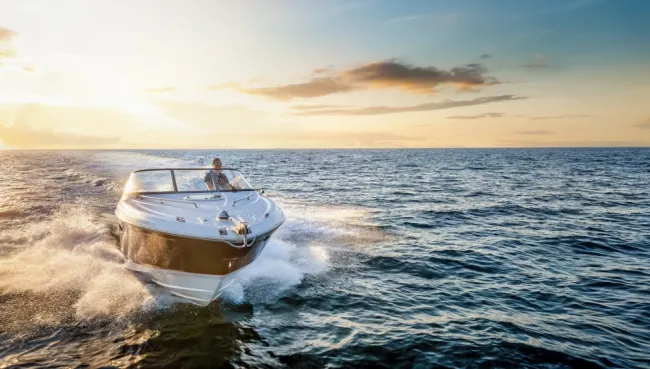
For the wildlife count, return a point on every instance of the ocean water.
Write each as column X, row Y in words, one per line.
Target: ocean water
column 388, row 259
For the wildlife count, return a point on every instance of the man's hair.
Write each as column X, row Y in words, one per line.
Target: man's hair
column 216, row 160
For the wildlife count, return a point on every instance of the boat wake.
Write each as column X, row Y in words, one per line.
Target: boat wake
column 70, row 270
column 65, row 269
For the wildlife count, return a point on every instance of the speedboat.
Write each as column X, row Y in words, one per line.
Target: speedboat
column 192, row 230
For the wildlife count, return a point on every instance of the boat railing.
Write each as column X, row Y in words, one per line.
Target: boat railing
column 181, row 168
column 174, row 186
column 163, row 200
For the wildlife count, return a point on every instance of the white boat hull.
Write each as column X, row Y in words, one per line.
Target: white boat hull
column 199, row 289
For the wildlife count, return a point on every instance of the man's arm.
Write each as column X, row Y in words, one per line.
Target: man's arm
column 222, row 181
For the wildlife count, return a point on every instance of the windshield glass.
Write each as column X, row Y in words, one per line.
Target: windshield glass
column 150, row 181
column 230, row 179
column 192, row 180
column 187, row 180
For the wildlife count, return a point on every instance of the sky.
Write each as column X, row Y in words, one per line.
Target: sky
column 209, row 74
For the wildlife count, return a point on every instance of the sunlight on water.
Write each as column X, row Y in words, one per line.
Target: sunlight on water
column 499, row 258
column 281, row 266
column 73, row 255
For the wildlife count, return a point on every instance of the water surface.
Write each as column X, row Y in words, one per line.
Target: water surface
column 388, row 258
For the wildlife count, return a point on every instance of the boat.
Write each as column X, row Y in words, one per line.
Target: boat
column 193, row 230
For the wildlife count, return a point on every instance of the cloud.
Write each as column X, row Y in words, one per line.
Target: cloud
column 224, row 85
column 566, row 116
column 38, row 126
column 316, row 87
column 478, row 116
column 21, row 135
column 384, row 74
column 391, row 73
column 485, row 56
column 538, row 61
column 533, row 132
column 160, row 89
column 645, row 124
column 315, row 107
column 323, row 70
column 6, row 51
column 216, row 122
column 377, row 110
column 6, row 34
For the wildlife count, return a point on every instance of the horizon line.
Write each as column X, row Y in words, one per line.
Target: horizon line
column 335, row 148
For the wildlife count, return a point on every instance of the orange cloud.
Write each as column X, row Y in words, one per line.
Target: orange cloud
column 377, row 110
column 384, row 74
column 478, row 116
column 566, row 116
column 645, row 124
column 6, row 34
column 314, row 88
column 418, row 79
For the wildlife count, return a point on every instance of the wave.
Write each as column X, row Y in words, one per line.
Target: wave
column 69, row 261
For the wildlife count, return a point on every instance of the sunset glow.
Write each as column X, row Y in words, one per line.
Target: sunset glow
column 326, row 74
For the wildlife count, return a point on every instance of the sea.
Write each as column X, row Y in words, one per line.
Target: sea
column 423, row 258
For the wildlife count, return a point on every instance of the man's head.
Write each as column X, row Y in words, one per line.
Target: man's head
column 216, row 164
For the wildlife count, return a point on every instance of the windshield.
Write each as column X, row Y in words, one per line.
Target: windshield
column 186, row 180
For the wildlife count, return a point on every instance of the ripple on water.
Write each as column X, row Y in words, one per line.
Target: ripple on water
column 395, row 258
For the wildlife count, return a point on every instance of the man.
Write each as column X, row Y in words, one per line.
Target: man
column 220, row 178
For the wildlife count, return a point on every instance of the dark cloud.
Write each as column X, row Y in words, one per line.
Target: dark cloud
column 314, row 88
column 485, row 56
column 566, row 116
column 160, row 89
column 392, row 73
column 6, row 34
column 376, row 110
column 533, row 132
column 478, row 116
column 384, row 74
